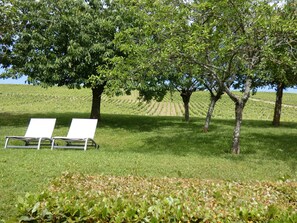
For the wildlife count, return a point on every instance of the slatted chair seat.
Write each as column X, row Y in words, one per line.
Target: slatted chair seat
column 39, row 132
column 80, row 135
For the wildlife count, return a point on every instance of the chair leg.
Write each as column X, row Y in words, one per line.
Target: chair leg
column 53, row 144
column 6, row 142
column 39, row 142
column 86, row 144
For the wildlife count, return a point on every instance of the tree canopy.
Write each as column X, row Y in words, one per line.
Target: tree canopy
column 280, row 55
column 60, row 42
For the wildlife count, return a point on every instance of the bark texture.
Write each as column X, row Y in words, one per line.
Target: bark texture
column 240, row 102
column 186, row 95
column 238, row 119
column 96, row 101
column 213, row 100
column 278, row 105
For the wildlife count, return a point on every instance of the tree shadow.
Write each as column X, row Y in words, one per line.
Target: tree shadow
column 267, row 124
column 14, row 119
column 257, row 137
column 136, row 123
column 171, row 135
column 187, row 144
column 280, row 146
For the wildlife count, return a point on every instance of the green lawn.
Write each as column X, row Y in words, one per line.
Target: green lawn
column 142, row 139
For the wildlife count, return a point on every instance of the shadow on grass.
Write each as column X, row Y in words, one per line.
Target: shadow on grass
column 135, row 123
column 171, row 135
column 17, row 120
column 278, row 146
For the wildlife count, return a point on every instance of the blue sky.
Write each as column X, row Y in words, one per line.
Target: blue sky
column 13, row 81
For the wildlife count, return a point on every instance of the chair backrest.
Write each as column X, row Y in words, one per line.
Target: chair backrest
column 41, row 127
column 82, row 128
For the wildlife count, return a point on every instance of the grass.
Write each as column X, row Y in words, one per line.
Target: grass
column 136, row 141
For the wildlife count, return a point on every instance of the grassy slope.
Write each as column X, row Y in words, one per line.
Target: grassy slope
column 144, row 139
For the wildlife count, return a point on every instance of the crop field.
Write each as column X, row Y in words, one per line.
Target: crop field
column 148, row 140
column 30, row 99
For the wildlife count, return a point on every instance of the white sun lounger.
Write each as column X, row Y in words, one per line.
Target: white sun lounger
column 80, row 135
column 39, row 130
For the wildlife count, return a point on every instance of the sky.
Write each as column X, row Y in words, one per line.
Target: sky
column 13, row 81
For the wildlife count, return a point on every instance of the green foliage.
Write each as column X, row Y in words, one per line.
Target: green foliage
column 280, row 49
column 135, row 199
column 159, row 49
column 60, row 42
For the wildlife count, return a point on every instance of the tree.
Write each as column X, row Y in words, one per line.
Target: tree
column 62, row 43
column 281, row 53
column 163, row 49
column 235, row 51
column 223, row 41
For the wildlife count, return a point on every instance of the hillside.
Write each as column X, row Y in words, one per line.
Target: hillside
column 35, row 99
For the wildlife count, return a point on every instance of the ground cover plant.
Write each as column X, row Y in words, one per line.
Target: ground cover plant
column 82, row 198
column 143, row 140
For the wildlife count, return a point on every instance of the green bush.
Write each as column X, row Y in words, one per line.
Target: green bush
column 79, row 198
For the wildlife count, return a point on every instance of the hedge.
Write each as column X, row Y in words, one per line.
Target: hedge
column 84, row 198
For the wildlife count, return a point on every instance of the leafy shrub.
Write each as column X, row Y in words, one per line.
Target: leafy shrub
column 79, row 198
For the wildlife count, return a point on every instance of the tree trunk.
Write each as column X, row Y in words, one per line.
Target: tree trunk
column 213, row 101
column 238, row 119
column 96, row 101
column 278, row 105
column 186, row 95
column 239, row 106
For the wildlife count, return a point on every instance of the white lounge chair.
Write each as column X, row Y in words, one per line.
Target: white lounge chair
column 39, row 129
column 80, row 135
